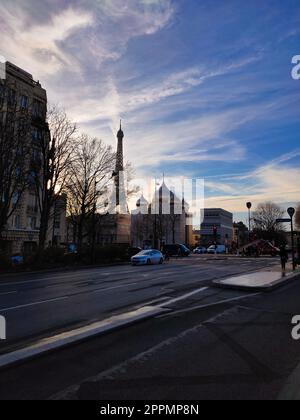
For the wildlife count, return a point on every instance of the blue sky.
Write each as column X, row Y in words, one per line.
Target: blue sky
column 204, row 87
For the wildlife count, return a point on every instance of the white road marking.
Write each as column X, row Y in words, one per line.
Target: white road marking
column 9, row 293
column 42, row 302
column 186, row 296
column 208, row 305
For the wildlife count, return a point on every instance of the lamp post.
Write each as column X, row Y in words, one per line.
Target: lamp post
column 291, row 212
column 249, row 207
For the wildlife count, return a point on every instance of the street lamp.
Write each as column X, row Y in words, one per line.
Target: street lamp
column 249, row 207
column 291, row 212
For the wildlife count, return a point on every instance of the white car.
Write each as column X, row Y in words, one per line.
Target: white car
column 200, row 250
column 217, row 249
column 149, row 257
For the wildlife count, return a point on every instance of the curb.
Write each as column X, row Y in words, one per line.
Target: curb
column 81, row 334
column 78, row 335
column 265, row 289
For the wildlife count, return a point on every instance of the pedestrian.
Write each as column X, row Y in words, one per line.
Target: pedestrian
column 284, row 257
column 167, row 256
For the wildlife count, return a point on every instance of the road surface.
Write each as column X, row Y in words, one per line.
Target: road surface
column 217, row 344
column 40, row 305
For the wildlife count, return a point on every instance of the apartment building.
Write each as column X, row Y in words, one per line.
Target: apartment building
column 25, row 95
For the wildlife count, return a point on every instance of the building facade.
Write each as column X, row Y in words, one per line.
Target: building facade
column 166, row 220
column 22, row 230
column 25, row 96
column 240, row 235
column 217, row 227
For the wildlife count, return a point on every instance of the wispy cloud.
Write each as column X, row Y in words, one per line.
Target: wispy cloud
column 271, row 182
column 39, row 46
column 203, row 90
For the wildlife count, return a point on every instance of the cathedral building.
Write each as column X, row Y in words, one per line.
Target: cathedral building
column 165, row 220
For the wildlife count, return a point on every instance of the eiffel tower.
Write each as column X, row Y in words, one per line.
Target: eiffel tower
column 120, row 200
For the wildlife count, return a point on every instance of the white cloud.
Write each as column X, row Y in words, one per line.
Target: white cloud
column 40, row 38
column 38, row 47
column 274, row 181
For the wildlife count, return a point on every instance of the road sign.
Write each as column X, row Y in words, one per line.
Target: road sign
column 283, row 221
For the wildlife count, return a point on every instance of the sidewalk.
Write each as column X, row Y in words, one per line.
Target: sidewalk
column 261, row 281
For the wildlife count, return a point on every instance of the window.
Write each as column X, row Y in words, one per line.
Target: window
column 38, row 109
column 33, row 203
column 32, row 178
column 32, row 223
column 12, row 96
column 37, row 136
column 24, row 102
column 16, row 197
column 17, row 222
column 36, row 155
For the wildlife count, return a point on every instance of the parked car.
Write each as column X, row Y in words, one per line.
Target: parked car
column 17, row 259
column 217, row 249
column 177, row 250
column 149, row 257
column 200, row 250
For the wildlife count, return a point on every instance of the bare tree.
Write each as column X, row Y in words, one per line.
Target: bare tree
column 56, row 153
column 266, row 215
column 15, row 125
column 265, row 226
column 90, row 177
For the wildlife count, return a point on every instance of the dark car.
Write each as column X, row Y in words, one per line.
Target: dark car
column 176, row 250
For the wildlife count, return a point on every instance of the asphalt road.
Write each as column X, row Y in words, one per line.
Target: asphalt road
column 39, row 305
column 218, row 344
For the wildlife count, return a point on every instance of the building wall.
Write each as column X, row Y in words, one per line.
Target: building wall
column 223, row 221
column 22, row 231
column 171, row 227
column 23, row 227
column 57, row 228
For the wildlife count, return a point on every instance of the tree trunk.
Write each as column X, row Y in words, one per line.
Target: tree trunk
column 45, row 215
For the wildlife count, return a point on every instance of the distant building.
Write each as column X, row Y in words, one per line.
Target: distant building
column 166, row 220
column 196, row 238
column 57, row 227
column 217, row 227
column 240, row 235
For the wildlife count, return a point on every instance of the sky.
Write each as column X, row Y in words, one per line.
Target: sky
column 204, row 87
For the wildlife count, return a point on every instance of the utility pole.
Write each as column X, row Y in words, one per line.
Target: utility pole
column 249, row 207
column 291, row 212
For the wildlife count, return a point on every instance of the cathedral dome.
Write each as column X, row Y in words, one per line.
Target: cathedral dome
column 142, row 202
